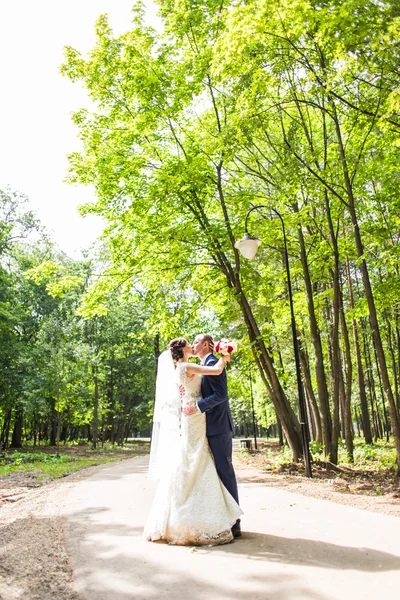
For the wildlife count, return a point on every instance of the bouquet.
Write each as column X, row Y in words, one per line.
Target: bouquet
column 225, row 347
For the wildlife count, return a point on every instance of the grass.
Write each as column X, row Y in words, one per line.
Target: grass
column 45, row 464
column 381, row 456
column 373, row 470
column 52, row 469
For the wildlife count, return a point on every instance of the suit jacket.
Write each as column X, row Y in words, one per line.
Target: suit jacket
column 215, row 403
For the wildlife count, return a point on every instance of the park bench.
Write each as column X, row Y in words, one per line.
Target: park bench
column 246, row 443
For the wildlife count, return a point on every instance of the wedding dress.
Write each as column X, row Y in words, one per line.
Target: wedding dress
column 191, row 506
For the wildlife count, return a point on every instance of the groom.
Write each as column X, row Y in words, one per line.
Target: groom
column 215, row 404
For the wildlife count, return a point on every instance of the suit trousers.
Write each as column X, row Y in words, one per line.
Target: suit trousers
column 221, row 447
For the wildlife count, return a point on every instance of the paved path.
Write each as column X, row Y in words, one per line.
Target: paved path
column 294, row 547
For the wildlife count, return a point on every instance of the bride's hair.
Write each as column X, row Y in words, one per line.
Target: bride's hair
column 176, row 346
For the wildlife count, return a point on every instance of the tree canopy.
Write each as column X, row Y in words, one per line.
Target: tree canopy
column 294, row 106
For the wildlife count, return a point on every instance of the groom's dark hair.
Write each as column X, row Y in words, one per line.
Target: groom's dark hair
column 207, row 337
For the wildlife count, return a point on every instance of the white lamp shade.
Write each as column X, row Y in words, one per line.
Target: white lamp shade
column 248, row 246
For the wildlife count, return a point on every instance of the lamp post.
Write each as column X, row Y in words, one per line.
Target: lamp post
column 248, row 247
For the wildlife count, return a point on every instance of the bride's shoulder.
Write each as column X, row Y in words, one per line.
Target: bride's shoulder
column 181, row 367
column 181, row 372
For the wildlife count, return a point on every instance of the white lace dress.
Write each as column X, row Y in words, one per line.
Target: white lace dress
column 192, row 506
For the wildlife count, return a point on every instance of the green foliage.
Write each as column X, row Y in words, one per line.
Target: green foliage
column 52, row 468
column 381, row 455
column 46, row 466
column 291, row 105
column 52, row 357
column 369, row 460
column 19, row 458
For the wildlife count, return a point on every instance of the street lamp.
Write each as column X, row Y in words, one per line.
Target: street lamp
column 248, row 247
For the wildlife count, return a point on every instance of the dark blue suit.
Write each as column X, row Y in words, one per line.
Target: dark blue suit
column 215, row 404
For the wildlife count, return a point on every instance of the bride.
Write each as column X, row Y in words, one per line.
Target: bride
column 191, row 506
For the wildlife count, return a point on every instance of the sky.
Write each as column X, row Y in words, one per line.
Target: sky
column 36, row 102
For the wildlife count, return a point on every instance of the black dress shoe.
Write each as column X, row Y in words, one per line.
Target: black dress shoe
column 236, row 532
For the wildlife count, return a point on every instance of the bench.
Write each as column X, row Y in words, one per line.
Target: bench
column 248, row 444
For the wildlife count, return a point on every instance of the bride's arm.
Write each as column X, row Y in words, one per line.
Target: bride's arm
column 193, row 369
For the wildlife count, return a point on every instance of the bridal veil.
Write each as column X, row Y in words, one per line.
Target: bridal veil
column 166, row 418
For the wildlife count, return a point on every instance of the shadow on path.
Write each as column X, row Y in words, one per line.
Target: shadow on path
column 314, row 553
column 123, row 566
column 112, row 560
column 256, row 546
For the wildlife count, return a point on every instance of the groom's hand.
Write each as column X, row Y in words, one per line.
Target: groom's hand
column 189, row 410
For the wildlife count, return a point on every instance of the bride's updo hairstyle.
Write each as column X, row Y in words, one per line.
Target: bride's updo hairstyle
column 176, row 346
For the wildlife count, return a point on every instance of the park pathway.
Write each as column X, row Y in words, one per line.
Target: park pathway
column 293, row 548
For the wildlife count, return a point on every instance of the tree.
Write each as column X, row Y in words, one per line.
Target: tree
column 295, row 104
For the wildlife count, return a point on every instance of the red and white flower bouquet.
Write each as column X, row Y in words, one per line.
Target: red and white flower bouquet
column 226, row 347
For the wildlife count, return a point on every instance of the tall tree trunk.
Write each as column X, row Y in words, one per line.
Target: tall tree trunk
column 95, row 423
column 157, row 353
column 287, row 417
column 111, row 402
column 157, row 350
column 385, row 416
column 5, row 432
column 347, row 419
column 371, row 386
column 373, row 317
column 394, row 363
column 365, row 420
column 336, row 361
column 323, row 396
column 58, row 431
column 16, row 440
column 357, row 422
column 280, row 432
column 335, row 367
column 310, row 416
column 310, row 393
column 53, row 423
column 397, row 335
column 34, row 432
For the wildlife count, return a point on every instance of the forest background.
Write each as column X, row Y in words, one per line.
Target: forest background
column 293, row 105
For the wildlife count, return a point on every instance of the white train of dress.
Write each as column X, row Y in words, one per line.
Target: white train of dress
column 191, row 505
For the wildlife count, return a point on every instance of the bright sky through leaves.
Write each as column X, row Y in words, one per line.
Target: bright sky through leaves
column 36, row 101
